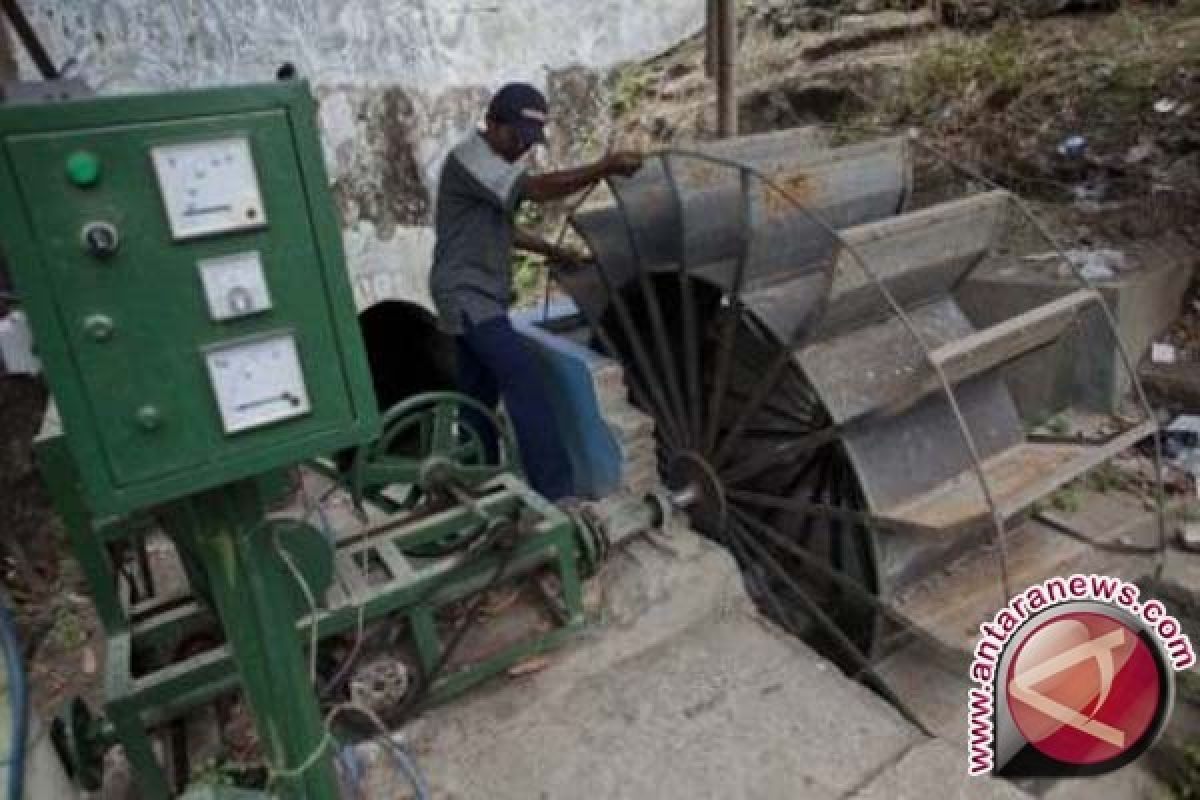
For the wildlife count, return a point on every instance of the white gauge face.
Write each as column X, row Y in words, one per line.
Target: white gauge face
column 209, row 187
column 234, row 286
column 257, row 382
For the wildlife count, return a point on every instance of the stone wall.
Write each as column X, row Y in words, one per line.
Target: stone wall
column 399, row 82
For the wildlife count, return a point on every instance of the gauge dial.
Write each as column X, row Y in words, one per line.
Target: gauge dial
column 257, row 381
column 209, row 187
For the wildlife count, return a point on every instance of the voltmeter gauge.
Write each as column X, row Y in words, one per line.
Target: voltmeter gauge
column 209, row 187
column 234, row 286
column 257, row 381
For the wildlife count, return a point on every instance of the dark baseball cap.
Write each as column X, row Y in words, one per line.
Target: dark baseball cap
column 523, row 107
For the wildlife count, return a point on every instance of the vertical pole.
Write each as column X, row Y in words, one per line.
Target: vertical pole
column 254, row 598
column 710, row 38
column 727, row 44
column 29, row 38
column 8, row 61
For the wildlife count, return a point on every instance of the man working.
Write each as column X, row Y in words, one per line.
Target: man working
column 481, row 186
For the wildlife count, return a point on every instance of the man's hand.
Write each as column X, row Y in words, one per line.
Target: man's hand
column 624, row 163
column 551, row 186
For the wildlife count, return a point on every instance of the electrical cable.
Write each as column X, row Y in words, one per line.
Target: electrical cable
column 18, row 691
column 493, row 536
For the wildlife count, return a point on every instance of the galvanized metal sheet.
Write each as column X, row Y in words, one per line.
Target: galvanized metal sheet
column 918, row 256
column 900, row 456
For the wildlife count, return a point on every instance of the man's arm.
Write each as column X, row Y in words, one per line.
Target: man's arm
column 525, row 240
column 557, row 185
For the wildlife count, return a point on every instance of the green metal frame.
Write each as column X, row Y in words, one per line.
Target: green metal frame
column 139, row 429
column 136, row 703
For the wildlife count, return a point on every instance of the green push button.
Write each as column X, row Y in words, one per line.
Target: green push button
column 83, row 168
column 149, row 418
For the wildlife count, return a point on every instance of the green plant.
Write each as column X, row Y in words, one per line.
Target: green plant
column 529, row 215
column 629, row 88
column 997, row 62
column 1105, row 478
column 1058, row 425
column 528, row 274
column 1184, row 784
column 1066, row 500
column 213, row 772
column 68, row 632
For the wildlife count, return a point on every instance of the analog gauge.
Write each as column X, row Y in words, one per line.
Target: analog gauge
column 257, row 381
column 234, row 286
column 209, row 187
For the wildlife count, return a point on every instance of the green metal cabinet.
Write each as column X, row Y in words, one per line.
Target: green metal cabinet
column 121, row 293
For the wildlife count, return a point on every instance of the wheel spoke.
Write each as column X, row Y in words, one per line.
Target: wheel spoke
column 666, row 359
column 730, row 322
column 740, row 471
column 690, row 329
column 646, row 395
column 443, row 429
column 794, row 506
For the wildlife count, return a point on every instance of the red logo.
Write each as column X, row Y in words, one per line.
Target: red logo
column 1084, row 689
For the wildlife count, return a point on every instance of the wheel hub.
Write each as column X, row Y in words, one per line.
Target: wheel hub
column 689, row 470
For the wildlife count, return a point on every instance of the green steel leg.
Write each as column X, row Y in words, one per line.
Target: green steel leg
column 151, row 778
column 425, row 636
column 58, row 472
column 568, row 575
column 253, row 595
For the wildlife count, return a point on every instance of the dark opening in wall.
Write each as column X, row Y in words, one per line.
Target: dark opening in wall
column 407, row 353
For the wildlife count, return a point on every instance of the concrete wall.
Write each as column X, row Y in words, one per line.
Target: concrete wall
column 399, row 81
column 1085, row 369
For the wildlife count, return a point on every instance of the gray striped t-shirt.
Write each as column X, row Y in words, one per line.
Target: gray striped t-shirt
column 478, row 193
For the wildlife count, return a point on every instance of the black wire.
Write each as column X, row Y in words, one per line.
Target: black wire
column 425, row 683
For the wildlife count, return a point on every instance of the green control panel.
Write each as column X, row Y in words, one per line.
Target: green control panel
column 181, row 264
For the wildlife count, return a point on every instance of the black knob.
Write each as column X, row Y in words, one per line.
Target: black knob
column 100, row 239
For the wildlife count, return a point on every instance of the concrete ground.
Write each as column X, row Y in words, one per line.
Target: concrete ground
column 680, row 691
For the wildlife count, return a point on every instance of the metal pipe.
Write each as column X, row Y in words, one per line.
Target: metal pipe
column 727, row 45
column 29, row 38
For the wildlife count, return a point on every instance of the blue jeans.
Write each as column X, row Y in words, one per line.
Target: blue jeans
column 495, row 362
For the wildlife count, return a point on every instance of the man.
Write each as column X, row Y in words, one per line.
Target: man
column 481, row 186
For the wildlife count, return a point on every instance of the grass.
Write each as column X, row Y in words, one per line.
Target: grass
column 629, row 88
column 1105, row 478
column 941, row 76
column 1007, row 98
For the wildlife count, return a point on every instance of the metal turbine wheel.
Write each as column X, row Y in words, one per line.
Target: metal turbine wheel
column 709, row 276
column 847, row 428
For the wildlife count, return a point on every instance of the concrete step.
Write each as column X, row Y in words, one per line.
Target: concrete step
column 639, row 451
column 935, row 769
column 629, row 424
column 951, row 605
column 680, row 690
column 937, row 695
column 609, row 380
